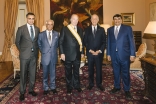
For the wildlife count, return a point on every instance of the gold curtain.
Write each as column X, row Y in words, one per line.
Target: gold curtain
column 10, row 17
column 37, row 7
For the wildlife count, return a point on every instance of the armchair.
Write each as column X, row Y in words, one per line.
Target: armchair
column 15, row 58
column 136, row 65
column 39, row 61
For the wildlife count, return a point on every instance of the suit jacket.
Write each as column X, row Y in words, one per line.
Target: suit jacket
column 69, row 45
column 94, row 43
column 124, row 43
column 48, row 52
column 24, row 42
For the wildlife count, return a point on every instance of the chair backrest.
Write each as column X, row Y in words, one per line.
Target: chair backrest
column 15, row 56
column 142, row 50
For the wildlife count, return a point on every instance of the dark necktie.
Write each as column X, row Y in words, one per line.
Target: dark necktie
column 49, row 38
column 32, row 33
column 116, row 32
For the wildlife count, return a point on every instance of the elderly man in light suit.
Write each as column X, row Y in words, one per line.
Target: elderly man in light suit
column 26, row 42
column 48, row 43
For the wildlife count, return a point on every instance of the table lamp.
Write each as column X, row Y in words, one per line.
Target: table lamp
column 150, row 33
column 105, row 26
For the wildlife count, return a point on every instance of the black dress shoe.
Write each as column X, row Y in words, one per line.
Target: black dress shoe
column 101, row 88
column 54, row 91
column 79, row 89
column 89, row 87
column 21, row 97
column 128, row 95
column 33, row 93
column 45, row 92
column 69, row 91
column 114, row 90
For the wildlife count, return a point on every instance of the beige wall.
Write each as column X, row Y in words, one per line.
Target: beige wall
column 1, row 25
column 111, row 7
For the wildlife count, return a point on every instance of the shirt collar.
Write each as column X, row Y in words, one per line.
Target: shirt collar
column 94, row 26
column 74, row 26
column 117, row 26
column 30, row 25
column 49, row 31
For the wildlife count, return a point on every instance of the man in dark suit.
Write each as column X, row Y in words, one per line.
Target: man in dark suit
column 48, row 43
column 71, row 50
column 26, row 42
column 95, row 42
column 121, row 50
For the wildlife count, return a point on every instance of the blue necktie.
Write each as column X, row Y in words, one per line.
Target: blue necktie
column 32, row 33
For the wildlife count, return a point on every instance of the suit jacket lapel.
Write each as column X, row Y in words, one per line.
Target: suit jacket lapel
column 46, row 38
column 53, row 38
column 27, row 32
column 78, row 30
column 97, row 30
column 120, row 31
column 35, row 32
column 113, row 29
column 91, row 31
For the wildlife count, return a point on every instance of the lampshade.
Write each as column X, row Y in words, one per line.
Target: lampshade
column 150, row 31
column 105, row 26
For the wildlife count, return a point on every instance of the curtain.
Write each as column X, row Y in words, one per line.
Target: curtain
column 10, row 17
column 37, row 7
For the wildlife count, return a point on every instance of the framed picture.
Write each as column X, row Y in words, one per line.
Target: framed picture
column 152, row 11
column 128, row 18
column 61, row 11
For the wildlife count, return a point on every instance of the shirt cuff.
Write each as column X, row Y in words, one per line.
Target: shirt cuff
column 90, row 50
column 100, row 51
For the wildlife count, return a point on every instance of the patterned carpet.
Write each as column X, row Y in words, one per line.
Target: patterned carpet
column 9, row 91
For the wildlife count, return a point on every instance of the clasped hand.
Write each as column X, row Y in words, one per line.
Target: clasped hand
column 94, row 52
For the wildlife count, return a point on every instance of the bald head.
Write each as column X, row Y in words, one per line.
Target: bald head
column 94, row 19
column 49, row 21
column 49, row 24
column 74, row 19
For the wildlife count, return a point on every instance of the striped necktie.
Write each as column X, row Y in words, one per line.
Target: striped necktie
column 49, row 38
column 116, row 32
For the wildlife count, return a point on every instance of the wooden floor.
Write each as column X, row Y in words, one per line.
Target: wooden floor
column 6, row 69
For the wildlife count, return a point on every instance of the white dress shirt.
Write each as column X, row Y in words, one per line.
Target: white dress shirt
column 93, row 28
column 28, row 26
column 117, row 28
column 48, row 34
